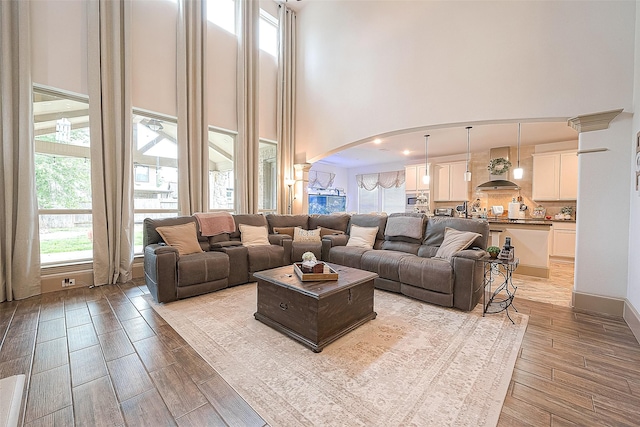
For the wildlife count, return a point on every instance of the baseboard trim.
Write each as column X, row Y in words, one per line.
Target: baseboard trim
column 528, row 270
column 632, row 317
column 598, row 304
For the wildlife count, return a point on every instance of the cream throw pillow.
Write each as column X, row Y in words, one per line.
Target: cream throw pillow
column 183, row 237
column 301, row 235
column 455, row 241
column 251, row 235
column 362, row 237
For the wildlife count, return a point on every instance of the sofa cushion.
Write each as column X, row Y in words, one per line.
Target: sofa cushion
column 301, row 247
column 248, row 219
column 369, row 220
column 183, row 237
column 434, row 235
column 455, row 241
column 349, row 257
column 300, row 235
column 265, row 257
column 293, row 221
column 384, row 263
column 284, row 230
column 434, row 274
column 336, row 221
column 202, row 267
column 150, row 234
column 406, row 247
column 404, row 228
column 253, row 236
column 362, row 237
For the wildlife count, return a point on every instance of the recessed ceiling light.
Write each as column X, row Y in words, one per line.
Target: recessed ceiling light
column 377, row 141
column 406, row 152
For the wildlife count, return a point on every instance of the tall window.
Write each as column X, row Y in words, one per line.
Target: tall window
column 221, row 177
column 268, row 33
column 155, row 168
column 63, row 176
column 267, row 176
column 223, row 14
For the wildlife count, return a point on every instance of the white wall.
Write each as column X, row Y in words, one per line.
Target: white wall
column 370, row 67
column 633, row 291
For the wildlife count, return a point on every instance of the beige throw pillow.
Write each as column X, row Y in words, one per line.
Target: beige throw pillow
column 183, row 237
column 301, row 235
column 284, row 230
column 253, row 235
column 455, row 241
column 362, row 237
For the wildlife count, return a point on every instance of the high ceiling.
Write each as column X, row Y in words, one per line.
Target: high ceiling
column 447, row 141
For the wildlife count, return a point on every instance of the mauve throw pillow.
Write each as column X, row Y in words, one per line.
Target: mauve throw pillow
column 455, row 241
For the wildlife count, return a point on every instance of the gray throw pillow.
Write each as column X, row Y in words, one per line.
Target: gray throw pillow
column 455, row 241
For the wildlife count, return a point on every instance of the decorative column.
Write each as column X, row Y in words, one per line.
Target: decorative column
column 300, row 190
column 602, row 241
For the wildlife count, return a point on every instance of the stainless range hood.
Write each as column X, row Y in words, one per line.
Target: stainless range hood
column 498, row 182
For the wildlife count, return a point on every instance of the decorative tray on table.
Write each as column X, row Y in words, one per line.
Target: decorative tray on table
column 327, row 273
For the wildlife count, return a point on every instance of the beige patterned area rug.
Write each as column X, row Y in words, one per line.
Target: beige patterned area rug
column 415, row 364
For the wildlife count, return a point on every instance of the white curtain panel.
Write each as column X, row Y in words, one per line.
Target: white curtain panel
column 193, row 132
column 371, row 181
column 286, row 108
column 19, row 234
column 109, row 76
column 247, row 141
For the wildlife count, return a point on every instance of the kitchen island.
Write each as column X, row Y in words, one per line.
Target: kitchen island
column 531, row 240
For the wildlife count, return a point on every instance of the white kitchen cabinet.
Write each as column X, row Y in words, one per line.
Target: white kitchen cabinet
column 413, row 178
column 568, row 176
column 555, row 176
column 564, row 239
column 450, row 185
column 410, row 174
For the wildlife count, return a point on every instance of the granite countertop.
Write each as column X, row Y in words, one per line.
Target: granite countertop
column 528, row 221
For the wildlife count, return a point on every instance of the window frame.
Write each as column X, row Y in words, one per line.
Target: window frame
column 61, row 93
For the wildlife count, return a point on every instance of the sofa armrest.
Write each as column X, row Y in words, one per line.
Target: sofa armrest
column 330, row 241
column 468, row 278
column 160, row 271
column 286, row 242
column 473, row 254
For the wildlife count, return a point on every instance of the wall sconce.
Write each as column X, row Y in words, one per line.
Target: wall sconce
column 290, row 183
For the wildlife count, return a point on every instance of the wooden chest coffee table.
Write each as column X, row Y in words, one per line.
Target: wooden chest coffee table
column 315, row 313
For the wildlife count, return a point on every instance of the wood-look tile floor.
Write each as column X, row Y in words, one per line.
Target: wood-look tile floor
column 102, row 356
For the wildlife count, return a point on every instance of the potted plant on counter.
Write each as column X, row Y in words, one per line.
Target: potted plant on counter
column 493, row 251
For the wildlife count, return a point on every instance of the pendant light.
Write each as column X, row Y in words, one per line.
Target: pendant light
column 425, row 177
column 467, row 174
column 518, row 172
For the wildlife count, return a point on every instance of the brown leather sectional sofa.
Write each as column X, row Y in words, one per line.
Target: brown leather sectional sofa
column 403, row 255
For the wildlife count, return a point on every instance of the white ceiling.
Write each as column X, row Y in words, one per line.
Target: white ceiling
column 447, row 141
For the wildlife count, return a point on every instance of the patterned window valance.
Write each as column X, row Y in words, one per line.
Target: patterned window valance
column 371, row 181
column 318, row 179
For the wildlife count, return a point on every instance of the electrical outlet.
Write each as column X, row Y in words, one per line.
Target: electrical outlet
column 68, row 282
